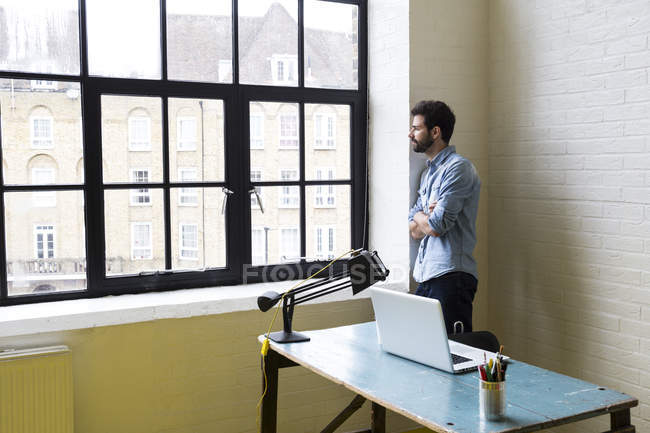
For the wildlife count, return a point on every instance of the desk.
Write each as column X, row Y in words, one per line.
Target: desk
column 350, row 356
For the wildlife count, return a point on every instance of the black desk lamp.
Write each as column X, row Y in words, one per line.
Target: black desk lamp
column 362, row 271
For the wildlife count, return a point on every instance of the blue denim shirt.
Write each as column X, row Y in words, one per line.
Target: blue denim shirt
column 452, row 181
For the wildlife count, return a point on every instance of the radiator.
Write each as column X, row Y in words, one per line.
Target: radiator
column 36, row 391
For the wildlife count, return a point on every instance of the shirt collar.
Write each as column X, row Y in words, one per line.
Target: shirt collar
column 441, row 157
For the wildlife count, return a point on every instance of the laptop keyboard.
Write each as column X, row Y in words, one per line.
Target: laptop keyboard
column 457, row 359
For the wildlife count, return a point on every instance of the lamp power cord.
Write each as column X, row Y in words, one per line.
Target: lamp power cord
column 266, row 343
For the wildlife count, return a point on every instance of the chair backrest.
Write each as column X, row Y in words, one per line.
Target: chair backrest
column 484, row 340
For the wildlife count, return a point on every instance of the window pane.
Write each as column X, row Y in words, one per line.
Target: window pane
column 325, row 238
column 188, row 239
column 331, row 45
column 196, row 138
column 198, row 228
column 36, row 36
column 44, row 176
column 275, row 235
column 289, row 194
column 131, row 137
column 268, row 42
column 280, row 150
column 46, row 247
column 135, row 236
column 259, row 249
column 141, row 196
column 198, row 30
column 41, row 130
column 325, row 195
column 328, row 234
column 257, row 129
column 327, row 140
column 124, row 38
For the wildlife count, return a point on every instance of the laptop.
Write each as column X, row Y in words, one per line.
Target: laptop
column 413, row 327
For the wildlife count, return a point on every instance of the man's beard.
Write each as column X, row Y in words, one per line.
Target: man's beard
column 421, row 147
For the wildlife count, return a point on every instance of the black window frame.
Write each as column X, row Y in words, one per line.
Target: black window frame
column 236, row 98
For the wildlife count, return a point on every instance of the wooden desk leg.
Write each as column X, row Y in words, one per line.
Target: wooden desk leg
column 270, row 400
column 350, row 409
column 378, row 418
column 620, row 422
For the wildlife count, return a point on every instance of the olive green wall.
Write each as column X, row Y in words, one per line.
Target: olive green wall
column 199, row 374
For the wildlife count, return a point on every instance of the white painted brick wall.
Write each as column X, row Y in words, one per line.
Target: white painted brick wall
column 569, row 178
column 451, row 65
column 388, row 83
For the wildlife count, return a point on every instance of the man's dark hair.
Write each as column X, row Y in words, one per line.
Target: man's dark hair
column 436, row 113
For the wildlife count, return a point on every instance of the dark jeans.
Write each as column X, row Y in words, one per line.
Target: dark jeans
column 455, row 291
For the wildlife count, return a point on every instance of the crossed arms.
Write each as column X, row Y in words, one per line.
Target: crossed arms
column 420, row 227
column 440, row 216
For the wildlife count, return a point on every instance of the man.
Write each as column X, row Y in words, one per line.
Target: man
column 444, row 216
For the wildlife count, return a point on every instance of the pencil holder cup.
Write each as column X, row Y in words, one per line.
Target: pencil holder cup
column 492, row 400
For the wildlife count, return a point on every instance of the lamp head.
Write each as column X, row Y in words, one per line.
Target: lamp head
column 365, row 270
column 267, row 300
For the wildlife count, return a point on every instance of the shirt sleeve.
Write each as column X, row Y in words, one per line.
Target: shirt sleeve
column 458, row 184
column 417, row 207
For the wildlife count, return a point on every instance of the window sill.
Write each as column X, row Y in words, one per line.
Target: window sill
column 118, row 310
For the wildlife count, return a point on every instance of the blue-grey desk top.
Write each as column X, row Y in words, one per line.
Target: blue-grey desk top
column 441, row 401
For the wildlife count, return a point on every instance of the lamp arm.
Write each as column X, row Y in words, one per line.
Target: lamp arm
column 363, row 270
column 325, row 291
column 317, row 283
